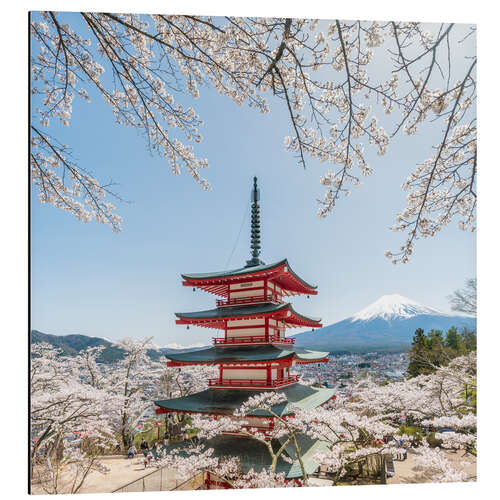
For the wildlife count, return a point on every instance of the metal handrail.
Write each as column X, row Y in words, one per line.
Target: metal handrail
column 249, row 300
column 178, row 487
column 253, row 339
column 242, row 382
column 139, row 480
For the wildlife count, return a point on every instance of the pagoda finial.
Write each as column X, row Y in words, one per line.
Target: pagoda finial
column 255, row 227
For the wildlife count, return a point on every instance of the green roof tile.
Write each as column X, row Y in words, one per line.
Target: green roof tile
column 225, row 401
column 233, row 272
column 229, row 312
column 267, row 352
column 243, row 271
column 254, row 455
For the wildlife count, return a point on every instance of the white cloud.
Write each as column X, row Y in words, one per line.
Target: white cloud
column 179, row 346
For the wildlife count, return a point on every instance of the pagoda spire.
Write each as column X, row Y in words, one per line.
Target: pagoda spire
column 255, row 227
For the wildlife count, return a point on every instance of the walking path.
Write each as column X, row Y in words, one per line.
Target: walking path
column 122, row 470
column 408, row 471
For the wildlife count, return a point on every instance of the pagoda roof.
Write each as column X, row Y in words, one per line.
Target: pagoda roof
column 226, row 401
column 289, row 281
column 253, row 454
column 214, row 318
column 241, row 354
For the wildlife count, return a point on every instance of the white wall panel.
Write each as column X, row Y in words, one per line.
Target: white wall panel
column 256, row 374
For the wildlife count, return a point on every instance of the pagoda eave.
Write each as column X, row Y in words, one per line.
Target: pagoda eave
column 177, row 364
column 226, row 401
column 241, row 356
column 216, row 318
column 217, row 282
column 219, row 325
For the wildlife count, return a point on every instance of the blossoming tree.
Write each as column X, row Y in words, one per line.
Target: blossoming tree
column 66, row 413
column 365, row 425
column 321, row 72
column 445, row 397
column 80, row 407
column 131, row 385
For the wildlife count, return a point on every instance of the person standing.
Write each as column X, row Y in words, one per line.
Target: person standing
column 166, row 440
column 144, row 447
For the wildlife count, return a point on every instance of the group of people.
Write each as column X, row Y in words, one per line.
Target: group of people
column 149, row 453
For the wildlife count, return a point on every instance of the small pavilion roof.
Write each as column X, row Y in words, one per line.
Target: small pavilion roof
column 241, row 354
column 215, row 318
column 255, row 455
column 226, row 401
column 216, row 282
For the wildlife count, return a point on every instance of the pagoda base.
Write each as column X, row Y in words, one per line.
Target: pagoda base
column 254, row 455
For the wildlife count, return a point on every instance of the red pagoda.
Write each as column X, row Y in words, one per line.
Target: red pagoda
column 253, row 354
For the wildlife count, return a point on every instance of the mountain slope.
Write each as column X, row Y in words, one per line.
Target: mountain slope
column 70, row 345
column 387, row 324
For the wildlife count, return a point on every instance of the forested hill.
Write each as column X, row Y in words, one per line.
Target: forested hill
column 70, row 345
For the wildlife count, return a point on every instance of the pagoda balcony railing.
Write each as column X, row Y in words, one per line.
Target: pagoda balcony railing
column 243, row 382
column 236, row 301
column 253, row 339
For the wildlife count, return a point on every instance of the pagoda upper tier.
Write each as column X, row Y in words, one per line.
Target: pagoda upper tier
column 277, row 316
column 276, row 280
column 252, row 356
column 261, row 355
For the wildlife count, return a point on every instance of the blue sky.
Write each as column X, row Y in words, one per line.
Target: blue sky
column 87, row 279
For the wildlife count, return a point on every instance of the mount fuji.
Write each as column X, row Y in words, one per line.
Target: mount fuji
column 386, row 325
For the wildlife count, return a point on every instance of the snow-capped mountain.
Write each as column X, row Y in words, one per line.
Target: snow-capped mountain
column 394, row 306
column 389, row 323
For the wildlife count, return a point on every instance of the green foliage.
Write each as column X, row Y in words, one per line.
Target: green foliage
column 453, row 340
column 469, row 340
column 434, row 349
column 419, row 347
column 415, row 432
column 151, row 432
column 433, row 442
column 150, row 435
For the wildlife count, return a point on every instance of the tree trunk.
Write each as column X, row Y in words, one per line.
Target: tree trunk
column 127, row 440
column 299, row 457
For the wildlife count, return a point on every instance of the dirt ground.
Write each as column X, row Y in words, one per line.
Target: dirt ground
column 122, row 471
column 407, row 471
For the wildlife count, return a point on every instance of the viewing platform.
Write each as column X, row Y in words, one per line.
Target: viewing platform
column 240, row 383
column 253, row 339
column 258, row 299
